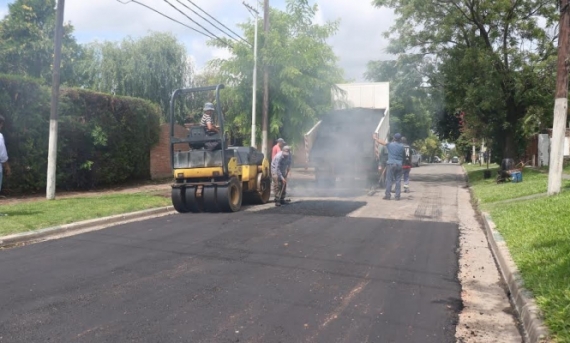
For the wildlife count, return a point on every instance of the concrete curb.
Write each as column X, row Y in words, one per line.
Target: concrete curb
column 27, row 237
column 531, row 318
column 529, row 313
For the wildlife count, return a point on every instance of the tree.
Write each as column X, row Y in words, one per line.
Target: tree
column 430, row 146
column 151, row 68
column 26, row 42
column 487, row 57
column 409, row 100
column 302, row 67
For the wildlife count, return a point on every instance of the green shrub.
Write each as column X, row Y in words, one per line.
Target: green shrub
column 102, row 139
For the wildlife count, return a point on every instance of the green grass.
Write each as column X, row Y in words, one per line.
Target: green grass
column 537, row 233
column 488, row 191
column 35, row 215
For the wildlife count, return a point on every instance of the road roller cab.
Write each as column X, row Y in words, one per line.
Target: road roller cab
column 211, row 176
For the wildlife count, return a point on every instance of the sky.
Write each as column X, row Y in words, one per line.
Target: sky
column 358, row 40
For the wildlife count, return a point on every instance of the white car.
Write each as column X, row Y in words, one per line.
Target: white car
column 455, row 159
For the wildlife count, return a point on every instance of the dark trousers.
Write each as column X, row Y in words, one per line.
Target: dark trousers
column 393, row 175
column 279, row 189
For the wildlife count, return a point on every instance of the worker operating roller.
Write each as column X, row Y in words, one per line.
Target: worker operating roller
column 280, row 169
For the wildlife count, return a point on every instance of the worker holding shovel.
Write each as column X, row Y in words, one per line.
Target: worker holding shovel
column 279, row 170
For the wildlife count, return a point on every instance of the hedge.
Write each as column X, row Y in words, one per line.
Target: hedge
column 102, row 139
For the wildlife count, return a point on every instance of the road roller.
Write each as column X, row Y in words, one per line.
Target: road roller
column 211, row 175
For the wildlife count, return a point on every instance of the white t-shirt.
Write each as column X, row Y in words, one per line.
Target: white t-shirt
column 3, row 152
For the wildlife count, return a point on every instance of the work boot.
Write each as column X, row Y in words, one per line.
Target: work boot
column 406, row 189
column 283, row 202
column 277, row 202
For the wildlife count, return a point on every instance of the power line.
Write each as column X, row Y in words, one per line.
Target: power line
column 164, row 15
column 217, row 21
column 195, row 22
column 214, row 25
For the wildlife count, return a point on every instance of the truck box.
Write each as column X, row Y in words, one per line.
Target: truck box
column 340, row 145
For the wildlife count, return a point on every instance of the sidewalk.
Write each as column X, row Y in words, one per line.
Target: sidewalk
column 143, row 187
column 148, row 187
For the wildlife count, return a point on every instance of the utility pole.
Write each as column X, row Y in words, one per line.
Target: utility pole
column 52, row 152
column 560, row 103
column 254, row 97
column 265, row 119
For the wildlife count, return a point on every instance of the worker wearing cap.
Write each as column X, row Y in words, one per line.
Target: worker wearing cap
column 208, row 122
column 277, row 147
column 279, row 169
column 394, row 164
column 207, row 119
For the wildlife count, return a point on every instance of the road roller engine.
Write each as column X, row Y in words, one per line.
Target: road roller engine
column 211, row 176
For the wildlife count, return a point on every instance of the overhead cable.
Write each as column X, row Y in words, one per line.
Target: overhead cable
column 216, row 20
column 195, row 22
column 164, row 15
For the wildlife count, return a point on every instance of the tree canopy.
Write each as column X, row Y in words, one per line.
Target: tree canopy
column 302, row 72
column 409, row 101
column 150, row 67
column 491, row 59
column 27, row 42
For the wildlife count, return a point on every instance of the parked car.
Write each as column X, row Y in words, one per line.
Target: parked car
column 436, row 159
column 455, row 159
column 416, row 158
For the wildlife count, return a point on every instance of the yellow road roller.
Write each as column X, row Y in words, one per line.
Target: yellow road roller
column 211, row 176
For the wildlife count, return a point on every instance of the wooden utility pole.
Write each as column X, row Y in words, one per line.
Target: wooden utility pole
column 53, row 118
column 560, row 103
column 265, row 120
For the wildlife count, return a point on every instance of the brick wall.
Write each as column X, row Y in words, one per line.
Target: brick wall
column 160, row 165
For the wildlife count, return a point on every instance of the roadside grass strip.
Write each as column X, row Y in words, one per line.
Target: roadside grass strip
column 537, row 233
column 33, row 215
column 488, row 191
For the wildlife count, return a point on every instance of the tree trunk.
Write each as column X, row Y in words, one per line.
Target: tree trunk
column 514, row 114
column 509, row 147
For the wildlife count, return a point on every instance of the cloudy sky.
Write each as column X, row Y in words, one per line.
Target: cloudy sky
column 358, row 40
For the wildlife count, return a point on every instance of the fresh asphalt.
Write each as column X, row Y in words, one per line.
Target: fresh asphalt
column 299, row 273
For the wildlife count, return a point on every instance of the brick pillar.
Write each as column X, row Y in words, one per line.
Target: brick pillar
column 160, row 165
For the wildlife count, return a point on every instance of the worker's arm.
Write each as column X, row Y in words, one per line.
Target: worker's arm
column 379, row 141
column 275, row 170
column 211, row 127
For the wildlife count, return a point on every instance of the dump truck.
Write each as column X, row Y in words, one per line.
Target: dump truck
column 340, row 146
column 211, row 175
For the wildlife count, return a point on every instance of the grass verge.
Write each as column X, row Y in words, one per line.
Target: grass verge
column 537, row 233
column 35, row 215
column 488, row 191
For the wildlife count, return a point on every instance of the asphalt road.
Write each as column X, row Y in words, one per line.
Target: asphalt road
column 299, row 273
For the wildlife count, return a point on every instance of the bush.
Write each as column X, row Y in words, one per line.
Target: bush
column 102, row 139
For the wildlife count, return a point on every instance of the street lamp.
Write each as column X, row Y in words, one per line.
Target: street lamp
column 253, row 101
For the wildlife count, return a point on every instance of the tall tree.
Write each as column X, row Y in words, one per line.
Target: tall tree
column 149, row 68
column 409, row 100
column 26, row 42
column 302, row 72
column 486, row 55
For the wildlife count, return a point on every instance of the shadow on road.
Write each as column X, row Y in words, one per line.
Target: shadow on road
column 324, row 208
